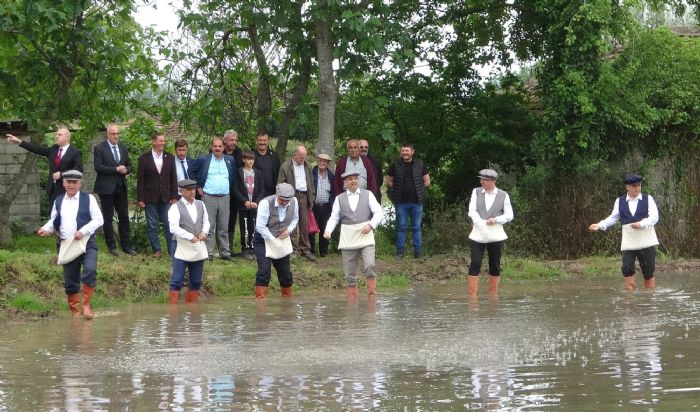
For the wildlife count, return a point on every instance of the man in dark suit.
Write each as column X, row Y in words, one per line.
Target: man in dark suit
column 156, row 190
column 215, row 174
column 182, row 162
column 231, row 148
column 62, row 157
column 112, row 165
column 378, row 172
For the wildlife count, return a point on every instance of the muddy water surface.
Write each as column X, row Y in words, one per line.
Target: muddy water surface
column 542, row 346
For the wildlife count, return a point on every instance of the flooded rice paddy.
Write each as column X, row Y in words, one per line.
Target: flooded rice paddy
column 543, row 345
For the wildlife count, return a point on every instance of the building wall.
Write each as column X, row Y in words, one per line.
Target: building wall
column 25, row 210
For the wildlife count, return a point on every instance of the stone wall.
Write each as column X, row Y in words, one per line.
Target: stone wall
column 25, row 209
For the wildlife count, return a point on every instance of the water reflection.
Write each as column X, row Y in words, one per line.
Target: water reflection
column 543, row 345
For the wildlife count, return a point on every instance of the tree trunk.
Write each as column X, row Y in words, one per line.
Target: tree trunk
column 264, row 93
column 290, row 111
column 327, row 91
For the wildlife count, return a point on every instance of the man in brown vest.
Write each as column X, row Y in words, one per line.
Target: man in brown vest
column 359, row 213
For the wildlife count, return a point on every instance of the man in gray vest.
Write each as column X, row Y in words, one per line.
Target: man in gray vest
column 277, row 218
column 358, row 211
column 489, row 209
column 76, row 215
column 188, row 220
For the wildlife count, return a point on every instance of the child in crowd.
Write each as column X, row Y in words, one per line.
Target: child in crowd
column 248, row 190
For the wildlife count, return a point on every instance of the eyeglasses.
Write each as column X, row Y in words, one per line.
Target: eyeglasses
column 364, row 147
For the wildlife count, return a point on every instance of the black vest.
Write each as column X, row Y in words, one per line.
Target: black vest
column 397, row 188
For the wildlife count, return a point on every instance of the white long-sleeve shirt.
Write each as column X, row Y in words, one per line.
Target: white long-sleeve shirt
column 69, row 217
column 174, row 219
column 489, row 198
column 353, row 200
column 614, row 217
column 263, row 217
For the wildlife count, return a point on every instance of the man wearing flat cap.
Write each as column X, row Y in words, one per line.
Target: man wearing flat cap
column 359, row 214
column 489, row 210
column 637, row 212
column 189, row 224
column 323, row 183
column 75, row 217
column 277, row 218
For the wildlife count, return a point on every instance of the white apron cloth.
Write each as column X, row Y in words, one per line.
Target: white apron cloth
column 637, row 239
column 351, row 237
column 278, row 248
column 488, row 233
column 70, row 249
column 190, row 252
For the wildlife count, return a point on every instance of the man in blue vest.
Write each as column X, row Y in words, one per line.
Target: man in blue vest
column 406, row 182
column 76, row 215
column 489, row 210
column 637, row 212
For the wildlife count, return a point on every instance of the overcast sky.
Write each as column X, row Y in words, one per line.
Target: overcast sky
column 162, row 17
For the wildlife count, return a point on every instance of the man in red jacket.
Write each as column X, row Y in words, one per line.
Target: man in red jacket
column 355, row 163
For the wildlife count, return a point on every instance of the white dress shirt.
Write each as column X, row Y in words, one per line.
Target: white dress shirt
column 299, row 177
column 489, row 198
column 69, row 217
column 353, row 200
column 264, row 216
column 632, row 202
column 158, row 159
column 174, row 219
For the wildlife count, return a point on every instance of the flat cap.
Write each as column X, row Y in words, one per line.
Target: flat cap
column 72, row 175
column 632, row 179
column 324, row 156
column 348, row 174
column 186, row 183
column 285, row 191
column 488, row 174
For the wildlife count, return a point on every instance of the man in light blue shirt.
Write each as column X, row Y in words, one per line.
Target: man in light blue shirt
column 215, row 174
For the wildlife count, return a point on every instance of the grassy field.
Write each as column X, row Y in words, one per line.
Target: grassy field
column 32, row 285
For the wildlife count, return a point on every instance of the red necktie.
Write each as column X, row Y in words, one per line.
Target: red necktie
column 57, row 160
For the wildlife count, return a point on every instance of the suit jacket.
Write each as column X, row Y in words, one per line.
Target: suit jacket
column 190, row 161
column 72, row 159
column 200, row 170
column 340, row 169
column 154, row 187
column 287, row 176
column 106, row 167
column 379, row 174
column 240, row 191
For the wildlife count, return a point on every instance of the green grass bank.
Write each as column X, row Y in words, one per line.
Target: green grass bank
column 32, row 285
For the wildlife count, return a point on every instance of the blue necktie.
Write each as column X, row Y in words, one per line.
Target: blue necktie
column 184, row 171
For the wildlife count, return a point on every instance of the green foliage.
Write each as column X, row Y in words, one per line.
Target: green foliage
column 80, row 64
